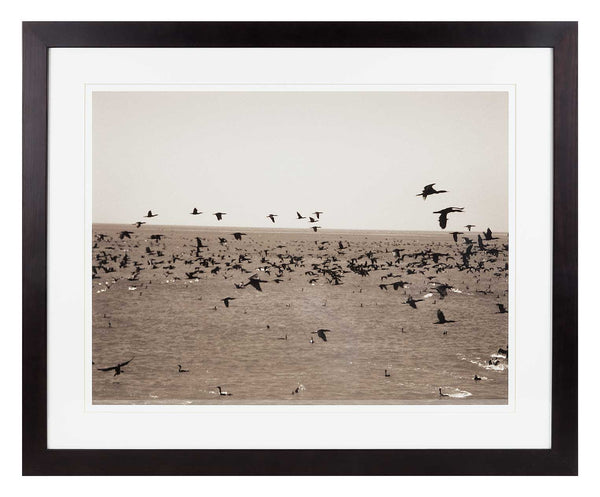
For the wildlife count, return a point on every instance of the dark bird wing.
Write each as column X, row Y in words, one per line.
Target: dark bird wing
column 255, row 283
column 440, row 315
column 125, row 363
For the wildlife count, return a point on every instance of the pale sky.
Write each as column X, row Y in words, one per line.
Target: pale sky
column 360, row 157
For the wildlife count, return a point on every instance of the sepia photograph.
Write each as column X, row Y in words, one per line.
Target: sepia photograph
column 290, row 247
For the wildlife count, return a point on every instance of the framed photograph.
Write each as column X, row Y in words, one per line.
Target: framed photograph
column 300, row 248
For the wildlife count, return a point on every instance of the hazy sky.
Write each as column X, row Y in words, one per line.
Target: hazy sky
column 360, row 157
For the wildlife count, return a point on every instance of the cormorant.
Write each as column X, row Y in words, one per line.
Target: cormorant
column 429, row 190
column 117, row 368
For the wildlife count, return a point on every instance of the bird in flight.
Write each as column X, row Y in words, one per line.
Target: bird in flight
column 315, row 228
column 442, row 319
column 502, row 309
column 219, row 215
column 125, row 234
column 226, row 300
column 255, row 282
column 195, row 212
column 321, row 334
column 488, row 235
column 469, row 226
column 443, row 219
column 318, row 214
column 412, row 302
column 139, row 223
column 237, row 235
column 150, row 214
column 455, row 235
column 117, row 368
column 429, row 190
column 272, row 217
column 300, row 216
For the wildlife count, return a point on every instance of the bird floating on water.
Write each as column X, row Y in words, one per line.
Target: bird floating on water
column 223, row 392
column 501, row 309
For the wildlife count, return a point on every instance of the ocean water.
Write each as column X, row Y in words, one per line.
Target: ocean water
column 259, row 349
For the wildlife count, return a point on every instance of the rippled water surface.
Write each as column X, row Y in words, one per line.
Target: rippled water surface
column 259, row 348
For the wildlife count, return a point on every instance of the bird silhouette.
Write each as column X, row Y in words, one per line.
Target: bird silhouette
column 443, row 219
column 150, row 214
column 300, row 216
column 442, row 319
column 117, row 368
column 219, row 215
column 318, row 214
column 226, row 300
column 455, row 235
column 223, row 392
column 272, row 217
column 125, row 234
column 182, row 370
column 195, row 212
column 488, row 235
column 321, row 334
column 315, row 228
column 429, row 190
column 412, row 302
column 501, row 309
column 255, row 282
column 237, row 235
column 469, row 226
column 139, row 223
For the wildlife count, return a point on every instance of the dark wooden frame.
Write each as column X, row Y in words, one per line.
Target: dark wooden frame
column 561, row 459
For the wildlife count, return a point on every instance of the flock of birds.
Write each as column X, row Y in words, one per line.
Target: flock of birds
column 330, row 265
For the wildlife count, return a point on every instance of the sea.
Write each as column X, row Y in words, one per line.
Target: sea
column 263, row 348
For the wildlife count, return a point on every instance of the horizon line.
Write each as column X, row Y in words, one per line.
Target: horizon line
column 290, row 229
